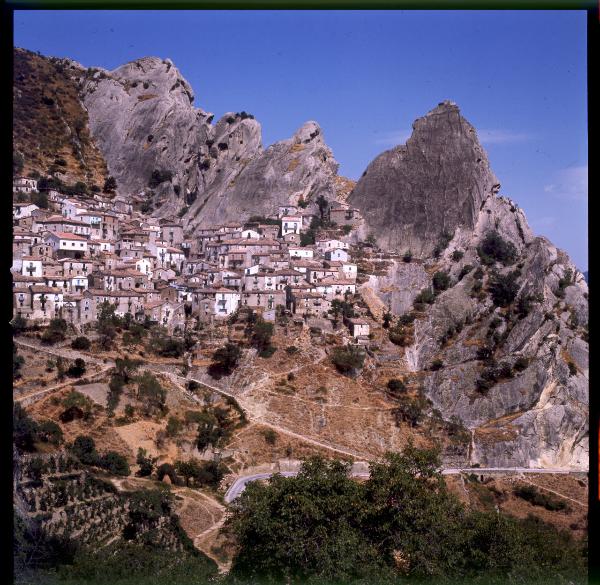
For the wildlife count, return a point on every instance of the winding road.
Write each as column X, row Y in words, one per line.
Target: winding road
column 239, row 485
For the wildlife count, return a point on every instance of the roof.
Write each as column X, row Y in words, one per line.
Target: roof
column 68, row 236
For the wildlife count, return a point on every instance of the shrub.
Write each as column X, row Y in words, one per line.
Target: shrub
column 110, row 185
column 441, row 281
column 291, row 350
column 494, row 248
column 396, row 386
column 157, row 177
column 81, row 342
column 407, row 257
column 84, row 448
column 146, row 463
column 348, row 359
column 225, row 360
column 270, row 436
column 457, row 255
column 174, row 426
column 532, row 495
column 150, row 392
column 504, row 288
column 55, row 332
column 521, row 364
column 425, row 296
column 77, row 369
column 436, row 364
column 114, row 463
column 572, row 368
column 410, row 410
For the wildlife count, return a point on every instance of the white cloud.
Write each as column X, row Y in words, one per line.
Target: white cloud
column 490, row 136
column 570, row 184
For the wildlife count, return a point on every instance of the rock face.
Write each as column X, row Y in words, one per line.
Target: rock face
column 411, row 194
column 535, row 415
column 141, row 115
column 238, row 184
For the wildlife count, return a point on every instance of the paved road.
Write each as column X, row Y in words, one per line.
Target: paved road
column 240, row 483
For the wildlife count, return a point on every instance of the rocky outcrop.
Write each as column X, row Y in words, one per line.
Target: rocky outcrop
column 237, row 186
column 435, row 183
column 535, row 411
column 158, row 144
column 142, row 117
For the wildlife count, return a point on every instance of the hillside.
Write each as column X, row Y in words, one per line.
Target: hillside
column 50, row 124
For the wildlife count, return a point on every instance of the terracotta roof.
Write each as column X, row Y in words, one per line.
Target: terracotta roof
column 68, row 236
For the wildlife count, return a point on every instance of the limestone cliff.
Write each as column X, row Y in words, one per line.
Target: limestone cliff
column 412, row 194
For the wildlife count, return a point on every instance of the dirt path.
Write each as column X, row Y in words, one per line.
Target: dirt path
column 553, row 492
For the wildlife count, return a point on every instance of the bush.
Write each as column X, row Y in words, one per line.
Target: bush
column 77, row 369
column 521, row 364
column 410, row 410
column 536, row 498
column 55, row 332
column 84, row 448
column 348, row 359
column 291, row 350
column 18, row 324
column 40, row 199
column 457, row 255
column 436, row 364
column 426, row 296
column 504, row 288
column 441, row 281
column 174, row 426
column 572, row 368
column 151, row 393
column 270, row 436
column 396, row 386
column 81, row 342
column 225, row 360
column 494, row 248
column 407, row 257
column 114, row 463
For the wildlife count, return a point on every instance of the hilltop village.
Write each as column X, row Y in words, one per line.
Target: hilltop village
column 71, row 253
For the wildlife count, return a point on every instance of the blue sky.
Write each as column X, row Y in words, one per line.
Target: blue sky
column 518, row 76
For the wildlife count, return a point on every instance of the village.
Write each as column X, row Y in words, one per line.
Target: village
column 72, row 253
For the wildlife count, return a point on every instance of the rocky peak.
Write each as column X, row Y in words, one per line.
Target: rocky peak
column 412, row 194
column 309, row 131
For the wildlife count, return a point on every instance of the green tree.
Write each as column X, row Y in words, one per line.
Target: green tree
column 84, row 448
column 225, row 360
column 114, row 463
column 348, row 359
column 151, row 393
column 55, row 332
column 145, row 462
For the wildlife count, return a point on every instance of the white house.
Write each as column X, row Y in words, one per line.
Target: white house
column 31, row 266
column 290, row 224
column 21, row 210
column 350, row 270
column 250, row 234
column 358, row 327
column 71, row 208
column 64, row 242
column 299, row 252
column 24, row 185
column 331, row 244
column 337, row 255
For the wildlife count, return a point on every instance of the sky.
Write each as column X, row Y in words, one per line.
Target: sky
column 520, row 77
